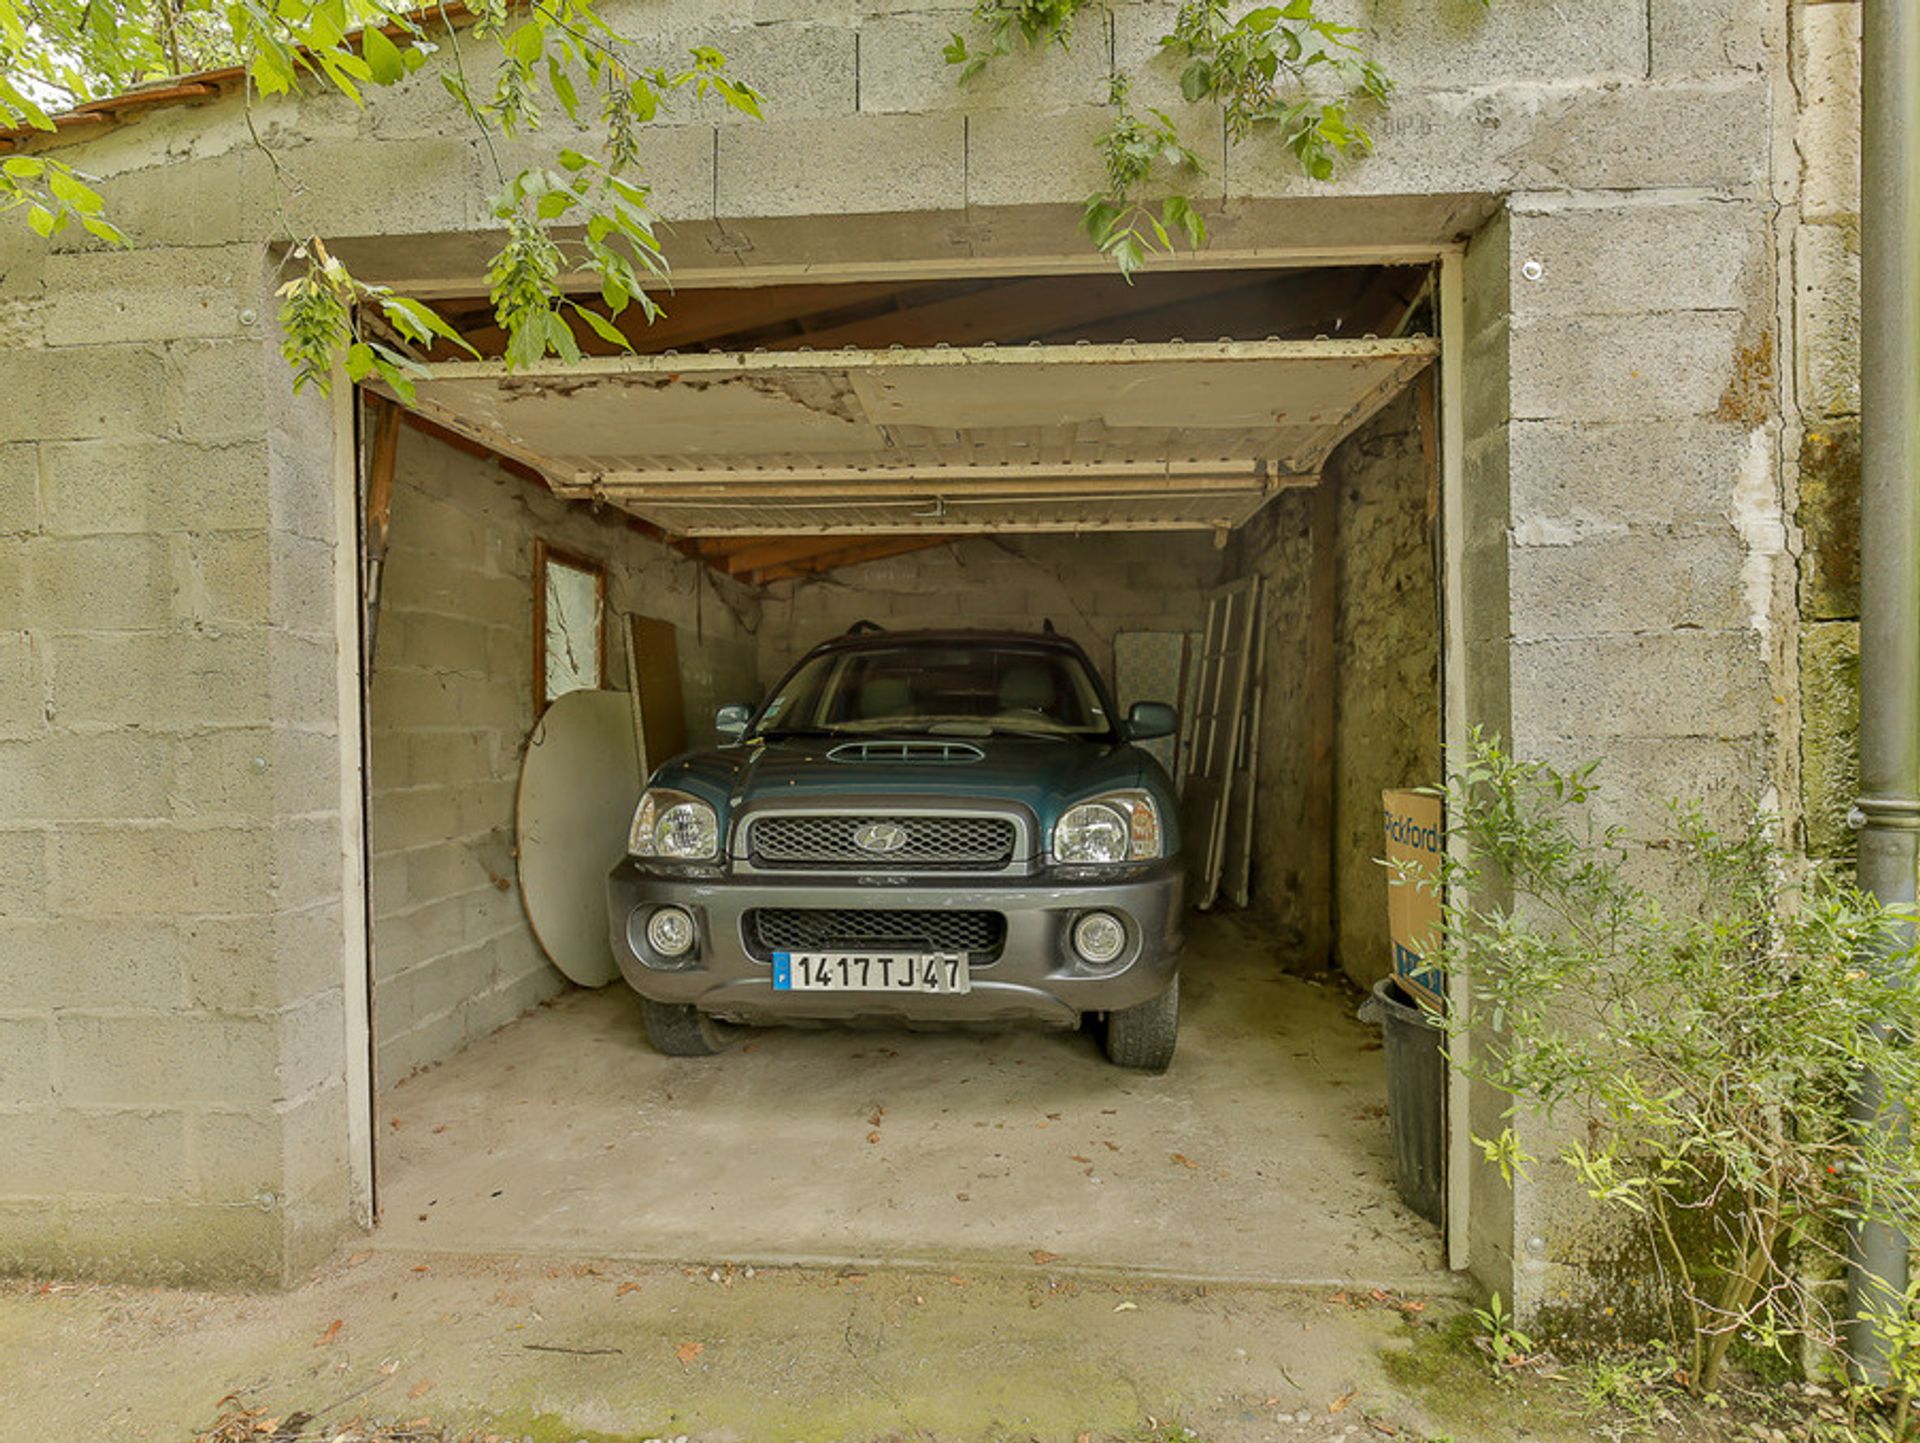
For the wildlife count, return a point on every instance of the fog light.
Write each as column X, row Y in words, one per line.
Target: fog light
column 1099, row 937
column 670, row 931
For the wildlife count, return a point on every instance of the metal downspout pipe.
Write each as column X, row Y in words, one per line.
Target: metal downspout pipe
column 1888, row 814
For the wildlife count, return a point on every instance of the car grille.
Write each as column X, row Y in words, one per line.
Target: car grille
column 929, row 842
column 839, row 929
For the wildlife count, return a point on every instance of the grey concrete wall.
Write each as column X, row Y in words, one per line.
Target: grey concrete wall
column 1629, row 590
column 451, row 706
column 173, row 1073
column 1090, row 586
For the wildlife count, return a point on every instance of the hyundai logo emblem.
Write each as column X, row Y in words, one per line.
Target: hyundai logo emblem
column 881, row 837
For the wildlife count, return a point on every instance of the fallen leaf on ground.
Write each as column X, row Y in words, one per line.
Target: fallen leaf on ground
column 421, row 1389
column 957, row 1281
column 422, row 1268
column 873, row 1137
column 1182, row 1159
column 332, row 1332
column 687, row 1352
column 625, row 1288
column 359, row 1257
column 1127, row 1307
column 1110, row 1146
column 1339, row 1405
column 1042, row 1256
column 876, row 1115
column 1078, row 1158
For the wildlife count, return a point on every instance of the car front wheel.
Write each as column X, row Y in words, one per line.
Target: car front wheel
column 1143, row 1036
column 681, row 1030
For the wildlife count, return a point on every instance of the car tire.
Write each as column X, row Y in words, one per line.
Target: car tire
column 680, row 1029
column 1143, row 1036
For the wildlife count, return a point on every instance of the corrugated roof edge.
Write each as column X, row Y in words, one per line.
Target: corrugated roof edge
column 178, row 90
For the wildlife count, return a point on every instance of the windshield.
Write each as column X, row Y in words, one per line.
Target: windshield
column 952, row 690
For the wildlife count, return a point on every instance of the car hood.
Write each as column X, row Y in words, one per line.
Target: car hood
column 1046, row 775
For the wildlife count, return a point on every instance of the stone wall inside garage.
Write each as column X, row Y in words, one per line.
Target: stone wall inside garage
column 450, row 709
column 1322, row 885
column 1090, row 586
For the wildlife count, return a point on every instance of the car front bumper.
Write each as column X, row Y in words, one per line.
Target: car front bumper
column 1036, row 977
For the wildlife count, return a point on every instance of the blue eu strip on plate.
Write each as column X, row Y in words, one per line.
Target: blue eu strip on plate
column 783, row 972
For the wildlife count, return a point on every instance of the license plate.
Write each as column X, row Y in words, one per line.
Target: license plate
column 870, row 972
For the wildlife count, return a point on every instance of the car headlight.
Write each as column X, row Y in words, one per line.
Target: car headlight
column 1118, row 827
column 674, row 826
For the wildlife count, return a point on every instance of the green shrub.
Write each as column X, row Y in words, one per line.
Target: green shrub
column 1710, row 1038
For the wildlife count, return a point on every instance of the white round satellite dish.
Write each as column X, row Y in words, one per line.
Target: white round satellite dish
column 579, row 785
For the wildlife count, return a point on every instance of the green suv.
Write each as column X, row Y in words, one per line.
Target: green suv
column 931, row 828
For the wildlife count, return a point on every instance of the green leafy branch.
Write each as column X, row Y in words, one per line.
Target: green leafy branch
column 1009, row 24
column 1115, row 219
column 54, row 196
column 1263, row 70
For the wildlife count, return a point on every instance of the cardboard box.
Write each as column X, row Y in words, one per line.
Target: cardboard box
column 1416, row 840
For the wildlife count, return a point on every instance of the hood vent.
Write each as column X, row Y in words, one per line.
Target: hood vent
column 906, row 751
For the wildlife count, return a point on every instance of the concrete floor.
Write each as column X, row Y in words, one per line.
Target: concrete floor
column 1262, row 1156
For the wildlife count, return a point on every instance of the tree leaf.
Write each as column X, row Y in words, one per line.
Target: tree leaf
column 384, row 61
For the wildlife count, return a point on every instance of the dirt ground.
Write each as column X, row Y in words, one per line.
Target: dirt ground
column 563, row 1351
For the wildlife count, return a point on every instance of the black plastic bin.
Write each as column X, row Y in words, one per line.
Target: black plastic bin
column 1416, row 1095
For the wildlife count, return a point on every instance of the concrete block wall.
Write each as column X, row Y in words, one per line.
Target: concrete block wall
column 173, row 1089
column 1089, row 586
column 450, row 709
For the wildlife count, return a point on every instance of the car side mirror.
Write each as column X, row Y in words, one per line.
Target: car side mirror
column 1149, row 719
column 731, row 720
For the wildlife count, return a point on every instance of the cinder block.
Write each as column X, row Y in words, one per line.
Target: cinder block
column 312, row 1043
column 1664, row 367
column 315, row 1131
column 1434, row 44
column 1635, row 784
column 23, row 874
column 207, row 1245
column 1633, row 583
column 19, row 489
column 1629, row 137
column 416, row 936
column 181, row 1058
column 122, row 963
column 122, row 1153
column 1679, row 684
column 1639, row 258
column 1708, row 37
column 1627, row 474
column 371, row 187
column 1827, row 61
column 901, row 69
column 415, row 817
column 303, row 672
column 26, row 1069
column 163, row 680
column 113, row 392
column 309, row 860
column 446, row 758
column 151, row 485
column 263, row 960
column 1017, row 159
column 156, row 869
column 676, row 163
column 66, row 776
column 222, row 389
column 236, row 1155
column 96, row 297
column 433, row 642
column 97, row 583
column 1827, row 307
column 864, row 164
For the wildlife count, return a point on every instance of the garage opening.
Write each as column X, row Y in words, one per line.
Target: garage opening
column 671, row 528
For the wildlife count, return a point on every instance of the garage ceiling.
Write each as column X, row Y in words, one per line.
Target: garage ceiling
column 947, row 440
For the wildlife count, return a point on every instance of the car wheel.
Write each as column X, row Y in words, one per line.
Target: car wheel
column 680, row 1029
column 1143, row 1036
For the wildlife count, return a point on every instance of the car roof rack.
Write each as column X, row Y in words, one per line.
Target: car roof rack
column 863, row 626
